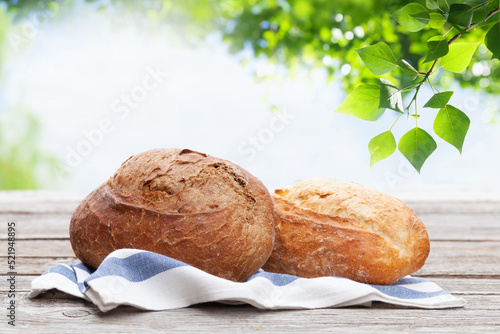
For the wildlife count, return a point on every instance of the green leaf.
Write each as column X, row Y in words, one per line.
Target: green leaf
column 409, row 70
column 432, row 4
column 451, row 124
column 444, row 5
column 413, row 17
column 436, row 20
column 381, row 147
column 363, row 103
column 459, row 56
column 417, row 145
column 438, row 100
column 492, row 40
column 460, row 14
column 438, row 47
column 480, row 11
column 390, row 96
column 378, row 58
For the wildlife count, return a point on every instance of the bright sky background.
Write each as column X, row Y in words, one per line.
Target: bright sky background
column 77, row 68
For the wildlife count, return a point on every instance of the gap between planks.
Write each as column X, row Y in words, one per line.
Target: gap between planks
column 452, row 226
column 49, row 314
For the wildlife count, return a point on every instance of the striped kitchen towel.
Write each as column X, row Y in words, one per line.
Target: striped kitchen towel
column 155, row 282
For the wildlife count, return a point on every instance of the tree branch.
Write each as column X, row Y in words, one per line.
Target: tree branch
column 457, row 36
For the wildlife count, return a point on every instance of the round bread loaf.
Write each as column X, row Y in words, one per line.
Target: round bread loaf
column 198, row 209
column 326, row 227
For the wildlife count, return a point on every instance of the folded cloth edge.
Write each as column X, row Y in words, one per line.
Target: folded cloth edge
column 125, row 272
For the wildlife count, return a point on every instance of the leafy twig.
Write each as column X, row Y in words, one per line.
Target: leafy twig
column 457, row 36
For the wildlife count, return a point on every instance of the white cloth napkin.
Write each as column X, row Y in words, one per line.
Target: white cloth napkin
column 152, row 281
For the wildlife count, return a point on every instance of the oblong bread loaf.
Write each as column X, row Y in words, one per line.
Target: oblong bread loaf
column 326, row 227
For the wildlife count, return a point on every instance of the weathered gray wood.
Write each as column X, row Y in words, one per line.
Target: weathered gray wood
column 442, row 227
column 29, row 201
column 424, row 207
column 37, row 225
column 473, row 258
column 424, row 201
column 467, row 286
column 41, row 248
column 452, row 258
column 465, row 260
column 453, row 226
column 451, row 200
column 36, row 265
column 53, row 315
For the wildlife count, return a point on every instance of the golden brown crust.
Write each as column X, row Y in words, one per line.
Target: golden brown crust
column 328, row 228
column 198, row 209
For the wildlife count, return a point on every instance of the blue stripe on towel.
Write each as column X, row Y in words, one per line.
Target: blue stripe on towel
column 405, row 293
column 276, row 279
column 69, row 274
column 137, row 267
column 82, row 267
column 63, row 271
column 410, row 280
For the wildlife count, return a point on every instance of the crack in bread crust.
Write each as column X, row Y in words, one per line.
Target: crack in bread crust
column 344, row 213
column 353, row 231
column 199, row 209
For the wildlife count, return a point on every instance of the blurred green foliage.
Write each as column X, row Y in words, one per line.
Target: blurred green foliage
column 23, row 163
column 296, row 33
column 310, row 33
column 322, row 33
column 448, row 23
column 4, row 26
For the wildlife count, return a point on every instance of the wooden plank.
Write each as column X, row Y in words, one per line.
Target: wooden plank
column 465, row 207
column 462, row 258
column 38, row 226
column 441, row 200
column 47, row 314
column 48, row 222
column 465, row 245
column 36, row 265
column 447, row 258
column 467, row 286
column 29, row 201
column 442, row 227
column 41, row 248
column 456, row 226
column 422, row 201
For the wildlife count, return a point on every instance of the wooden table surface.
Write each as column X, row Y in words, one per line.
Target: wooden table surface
column 464, row 229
